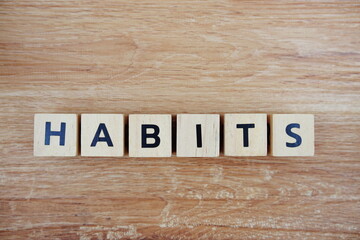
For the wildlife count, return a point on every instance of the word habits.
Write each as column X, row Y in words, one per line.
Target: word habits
column 150, row 135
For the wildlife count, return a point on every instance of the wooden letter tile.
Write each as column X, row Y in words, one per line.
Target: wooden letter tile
column 150, row 135
column 198, row 135
column 245, row 134
column 292, row 134
column 102, row 135
column 55, row 135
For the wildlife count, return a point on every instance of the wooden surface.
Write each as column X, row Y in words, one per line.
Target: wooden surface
column 180, row 57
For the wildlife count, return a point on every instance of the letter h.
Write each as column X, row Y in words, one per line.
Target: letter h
column 49, row 133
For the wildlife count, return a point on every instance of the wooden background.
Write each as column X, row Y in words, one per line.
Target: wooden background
column 180, row 57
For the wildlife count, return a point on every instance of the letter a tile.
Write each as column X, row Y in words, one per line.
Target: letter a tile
column 102, row 135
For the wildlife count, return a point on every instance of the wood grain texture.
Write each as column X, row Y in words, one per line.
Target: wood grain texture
column 180, row 57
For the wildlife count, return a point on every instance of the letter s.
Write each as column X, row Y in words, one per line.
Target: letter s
column 293, row 135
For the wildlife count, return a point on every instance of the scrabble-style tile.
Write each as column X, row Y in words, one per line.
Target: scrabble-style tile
column 150, row 135
column 292, row 134
column 198, row 135
column 102, row 135
column 245, row 135
column 55, row 134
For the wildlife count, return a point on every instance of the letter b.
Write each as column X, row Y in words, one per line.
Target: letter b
column 145, row 135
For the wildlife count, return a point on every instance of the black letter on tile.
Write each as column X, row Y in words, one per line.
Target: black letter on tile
column 294, row 135
column 198, row 136
column 49, row 133
column 245, row 128
column 154, row 135
column 106, row 138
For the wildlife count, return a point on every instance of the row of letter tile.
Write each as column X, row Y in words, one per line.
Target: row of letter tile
column 150, row 135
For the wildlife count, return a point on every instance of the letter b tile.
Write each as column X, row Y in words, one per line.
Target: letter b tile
column 150, row 135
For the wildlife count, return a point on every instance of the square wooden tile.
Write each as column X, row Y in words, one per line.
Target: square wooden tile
column 292, row 135
column 102, row 135
column 245, row 134
column 150, row 135
column 55, row 135
column 198, row 135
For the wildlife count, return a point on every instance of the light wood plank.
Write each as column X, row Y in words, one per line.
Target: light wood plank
column 173, row 57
